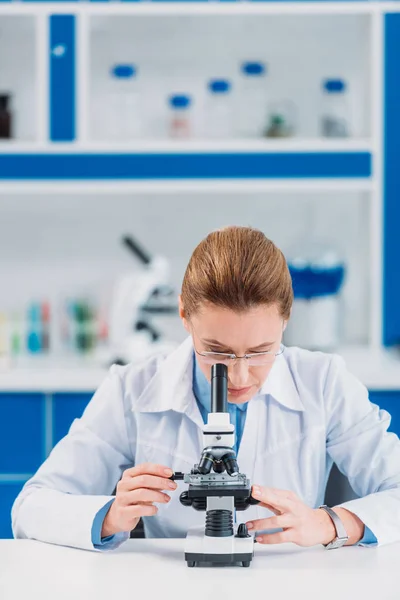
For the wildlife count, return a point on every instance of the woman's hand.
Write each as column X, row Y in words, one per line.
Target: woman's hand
column 137, row 491
column 301, row 524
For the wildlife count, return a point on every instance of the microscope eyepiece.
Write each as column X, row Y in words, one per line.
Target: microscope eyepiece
column 219, row 388
column 219, row 370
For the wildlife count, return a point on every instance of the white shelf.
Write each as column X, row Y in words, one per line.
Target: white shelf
column 203, row 8
column 194, row 186
column 192, row 146
column 378, row 369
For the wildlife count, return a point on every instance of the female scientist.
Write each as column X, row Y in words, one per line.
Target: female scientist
column 296, row 412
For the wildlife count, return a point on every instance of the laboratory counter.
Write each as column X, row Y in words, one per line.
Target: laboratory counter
column 156, row 570
column 378, row 369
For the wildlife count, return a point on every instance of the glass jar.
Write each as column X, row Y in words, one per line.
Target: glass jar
column 252, row 111
column 180, row 125
column 124, row 103
column 218, row 109
column 335, row 120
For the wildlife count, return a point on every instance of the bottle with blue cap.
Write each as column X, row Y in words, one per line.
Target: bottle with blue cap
column 252, row 108
column 335, row 121
column 125, row 118
column 180, row 126
column 218, row 114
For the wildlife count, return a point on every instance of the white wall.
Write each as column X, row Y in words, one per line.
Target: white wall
column 57, row 245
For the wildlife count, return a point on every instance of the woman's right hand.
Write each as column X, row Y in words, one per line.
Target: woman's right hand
column 136, row 493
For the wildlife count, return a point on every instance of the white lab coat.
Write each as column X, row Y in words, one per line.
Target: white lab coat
column 309, row 413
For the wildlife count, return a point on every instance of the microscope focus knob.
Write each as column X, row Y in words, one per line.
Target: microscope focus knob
column 185, row 500
column 242, row 531
column 252, row 501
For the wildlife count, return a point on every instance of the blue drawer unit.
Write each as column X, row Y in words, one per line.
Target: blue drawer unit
column 22, row 432
column 66, row 408
column 8, row 492
column 390, row 401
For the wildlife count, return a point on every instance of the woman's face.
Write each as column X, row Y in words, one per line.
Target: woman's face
column 216, row 329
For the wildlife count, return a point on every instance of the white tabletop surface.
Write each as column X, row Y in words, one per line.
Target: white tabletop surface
column 156, row 570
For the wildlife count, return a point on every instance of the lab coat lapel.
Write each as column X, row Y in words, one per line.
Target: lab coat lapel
column 170, row 388
column 250, row 438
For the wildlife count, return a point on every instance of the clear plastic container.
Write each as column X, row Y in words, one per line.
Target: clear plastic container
column 335, row 119
column 124, row 111
column 218, row 109
column 180, row 123
column 253, row 109
column 316, row 320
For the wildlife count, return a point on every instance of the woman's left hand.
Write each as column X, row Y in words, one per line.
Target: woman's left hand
column 301, row 524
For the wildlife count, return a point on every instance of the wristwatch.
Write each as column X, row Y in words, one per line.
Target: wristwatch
column 341, row 533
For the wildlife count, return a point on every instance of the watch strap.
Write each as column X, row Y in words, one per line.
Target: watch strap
column 341, row 533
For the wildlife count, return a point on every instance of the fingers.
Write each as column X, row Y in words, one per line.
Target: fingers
column 279, row 500
column 144, row 496
column 271, row 508
column 128, row 483
column 149, row 469
column 131, row 514
column 276, row 538
column 277, row 522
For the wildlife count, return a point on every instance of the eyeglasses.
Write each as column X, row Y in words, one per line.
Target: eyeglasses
column 253, row 360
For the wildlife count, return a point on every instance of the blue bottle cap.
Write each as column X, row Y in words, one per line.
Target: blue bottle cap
column 123, row 71
column 334, row 86
column 254, row 68
column 179, row 101
column 219, row 86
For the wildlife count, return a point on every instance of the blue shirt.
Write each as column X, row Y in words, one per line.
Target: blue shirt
column 202, row 393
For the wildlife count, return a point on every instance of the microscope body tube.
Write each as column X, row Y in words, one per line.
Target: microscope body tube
column 218, row 431
column 219, row 388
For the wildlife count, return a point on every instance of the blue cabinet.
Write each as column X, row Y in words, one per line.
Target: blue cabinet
column 22, row 432
column 8, row 492
column 390, row 401
column 66, row 408
column 391, row 217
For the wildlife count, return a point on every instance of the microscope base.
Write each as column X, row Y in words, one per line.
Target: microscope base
column 231, row 550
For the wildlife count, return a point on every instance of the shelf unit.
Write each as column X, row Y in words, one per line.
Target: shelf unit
column 64, row 157
column 306, row 163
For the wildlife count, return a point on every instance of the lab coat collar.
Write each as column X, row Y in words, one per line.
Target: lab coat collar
column 171, row 386
column 280, row 385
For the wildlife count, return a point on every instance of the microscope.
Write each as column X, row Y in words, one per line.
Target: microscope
column 217, row 487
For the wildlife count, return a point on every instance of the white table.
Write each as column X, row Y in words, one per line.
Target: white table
column 155, row 569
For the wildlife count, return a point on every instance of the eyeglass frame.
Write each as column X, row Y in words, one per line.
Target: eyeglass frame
column 233, row 357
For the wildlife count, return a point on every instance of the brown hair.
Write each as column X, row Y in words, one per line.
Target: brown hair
column 237, row 268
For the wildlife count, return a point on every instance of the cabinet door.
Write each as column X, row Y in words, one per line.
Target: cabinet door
column 390, row 401
column 66, row 408
column 62, row 78
column 8, row 492
column 22, row 432
column 391, row 221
